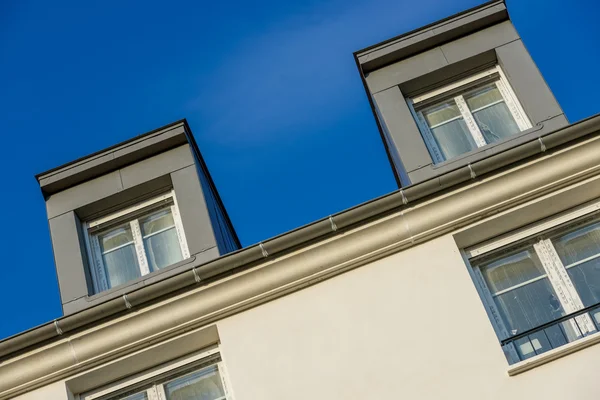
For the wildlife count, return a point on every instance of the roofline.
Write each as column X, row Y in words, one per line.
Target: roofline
column 107, row 149
column 430, row 25
column 386, row 145
column 301, row 237
column 432, row 35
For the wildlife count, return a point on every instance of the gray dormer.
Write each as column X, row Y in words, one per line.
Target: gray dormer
column 455, row 92
column 133, row 214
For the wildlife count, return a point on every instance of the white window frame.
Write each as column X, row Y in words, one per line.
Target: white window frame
column 153, row 381
column 554, row 269
column 493, row 75
column 98, row 271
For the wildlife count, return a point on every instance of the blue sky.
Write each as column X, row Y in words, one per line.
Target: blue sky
column 269, row 88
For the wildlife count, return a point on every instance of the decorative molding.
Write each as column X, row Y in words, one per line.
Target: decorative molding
column 275, row 277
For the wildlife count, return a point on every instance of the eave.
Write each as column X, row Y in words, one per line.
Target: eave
column 300, row 258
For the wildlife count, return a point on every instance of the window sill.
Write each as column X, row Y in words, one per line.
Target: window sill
column 553, row 354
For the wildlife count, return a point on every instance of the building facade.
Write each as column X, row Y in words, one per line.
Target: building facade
column 478, row 278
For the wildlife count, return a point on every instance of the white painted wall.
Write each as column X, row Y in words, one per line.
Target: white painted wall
column 408, row 326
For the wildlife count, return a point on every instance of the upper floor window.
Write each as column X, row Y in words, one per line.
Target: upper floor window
column 135, row 241
column 468, row 114
column 203, row 379
column 542, row 286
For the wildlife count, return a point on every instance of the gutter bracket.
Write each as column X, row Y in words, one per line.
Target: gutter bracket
column 404, row 199
column 542, row 145
column 58, row 330
column 333, row 225
column 127, row 303
column 196, row 276
column 265, row 253
column 473, row 174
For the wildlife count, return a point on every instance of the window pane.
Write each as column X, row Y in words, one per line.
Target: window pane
column 523, row 303
column 491, row 114
column 483, row 97
column 579, row 244
column 529, row 306
column 449, row 129
column 160, row 240
column 512, row 269
column 115, row 237
column 496, row 122
column 201, row 385
column 453, row 138
column 119, row 256
column 157, row 222
column 441, row 113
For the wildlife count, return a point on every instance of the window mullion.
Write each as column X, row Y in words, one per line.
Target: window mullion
column 160, row 392
column 101, row 282
column 470, row 121
column 185, row 252
column 139, row 247
column 512, row 102
column 427, row 135
column 561, row 282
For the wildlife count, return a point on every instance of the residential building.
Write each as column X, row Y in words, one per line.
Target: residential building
column 478, row 278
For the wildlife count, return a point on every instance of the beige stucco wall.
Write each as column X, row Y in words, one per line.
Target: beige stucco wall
column 55, row 391
column 407, row 326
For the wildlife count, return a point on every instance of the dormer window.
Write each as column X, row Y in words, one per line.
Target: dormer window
column 468, row 114
column 136, row 241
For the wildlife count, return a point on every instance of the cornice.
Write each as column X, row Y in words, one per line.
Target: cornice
column 417, row 222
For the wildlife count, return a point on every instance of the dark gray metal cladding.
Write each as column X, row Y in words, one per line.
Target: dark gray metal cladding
column 153, row 163
column 438, row 54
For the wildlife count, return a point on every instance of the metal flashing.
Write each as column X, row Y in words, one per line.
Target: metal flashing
column 434, row 34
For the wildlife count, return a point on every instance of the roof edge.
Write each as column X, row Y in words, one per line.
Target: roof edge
column 114, row 157
column 431, row 35
column 318, row 230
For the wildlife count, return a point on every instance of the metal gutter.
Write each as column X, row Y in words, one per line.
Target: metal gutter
column 286, row 242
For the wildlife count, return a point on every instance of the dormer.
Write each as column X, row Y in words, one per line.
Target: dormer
column 455, row 92
column 133, row 214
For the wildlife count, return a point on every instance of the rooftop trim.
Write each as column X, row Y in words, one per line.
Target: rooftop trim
column 114, row 157
column 301, row 237
column 434, row 34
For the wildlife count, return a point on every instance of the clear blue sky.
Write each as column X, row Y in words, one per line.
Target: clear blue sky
column 270, row 90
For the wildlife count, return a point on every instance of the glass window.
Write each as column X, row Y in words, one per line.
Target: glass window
column 136, row 241
column 579, row 252
column 200, row 385
column 118, row 255
column 546, row 292
column 521, row 290
column 493, row 117
column 204, row 382
column 449, row 129
column 160, row 239
column 469, row 114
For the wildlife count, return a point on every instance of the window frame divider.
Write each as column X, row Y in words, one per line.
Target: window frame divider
column 185, row 251
column 431, row 143
column 470, row 121
column 512, row 101
column 139, row 247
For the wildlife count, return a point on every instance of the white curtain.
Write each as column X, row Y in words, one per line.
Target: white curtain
column 119, row 256
column 160, row 240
